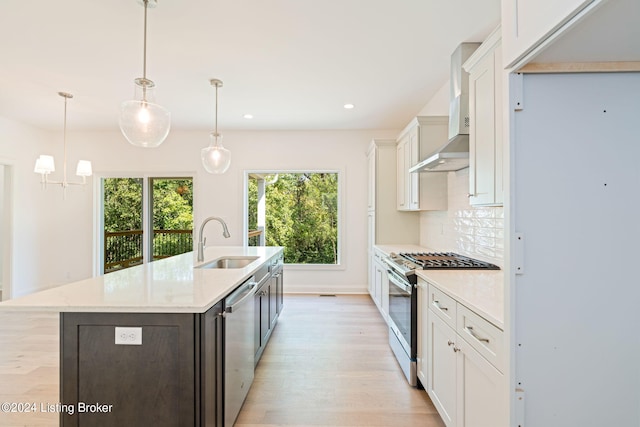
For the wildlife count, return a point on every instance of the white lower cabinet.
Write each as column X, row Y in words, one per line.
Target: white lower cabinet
column 379, row 284
column 466, row 389
column 442, row 368
column 481, row 397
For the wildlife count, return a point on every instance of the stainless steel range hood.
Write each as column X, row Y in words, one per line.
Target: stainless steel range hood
column 454, row 155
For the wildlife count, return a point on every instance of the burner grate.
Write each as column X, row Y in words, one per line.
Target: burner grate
column 446, row 260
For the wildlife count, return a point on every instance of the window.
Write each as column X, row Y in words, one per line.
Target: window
column 136, row 228
column 296, row 210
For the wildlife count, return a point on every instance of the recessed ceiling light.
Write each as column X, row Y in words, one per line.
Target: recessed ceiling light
column 349, row 106
column 248, row 116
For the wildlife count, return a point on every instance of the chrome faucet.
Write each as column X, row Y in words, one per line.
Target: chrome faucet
column 201, row 241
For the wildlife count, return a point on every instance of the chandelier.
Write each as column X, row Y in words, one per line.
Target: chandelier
column 45, row 164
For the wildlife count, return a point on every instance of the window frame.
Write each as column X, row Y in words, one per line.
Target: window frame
column 340, row 262
column 98, row 211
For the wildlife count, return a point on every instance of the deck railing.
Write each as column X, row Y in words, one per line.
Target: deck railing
column 255, row 237
column 124, row 248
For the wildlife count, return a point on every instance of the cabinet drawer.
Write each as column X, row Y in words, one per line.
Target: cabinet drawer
column 443, row 305
column 486, row 338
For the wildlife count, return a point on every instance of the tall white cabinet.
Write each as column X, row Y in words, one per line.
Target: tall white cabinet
column 386, row 225
column 575, row 177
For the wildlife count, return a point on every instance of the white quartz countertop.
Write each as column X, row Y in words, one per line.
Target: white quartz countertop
column 170, row 285
column 482, row 291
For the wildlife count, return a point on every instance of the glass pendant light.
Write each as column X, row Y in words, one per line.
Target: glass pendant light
column 143, row 122
column 216, row 158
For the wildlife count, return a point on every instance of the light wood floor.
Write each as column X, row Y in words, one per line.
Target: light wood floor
column 327, row 364
column 29, row 365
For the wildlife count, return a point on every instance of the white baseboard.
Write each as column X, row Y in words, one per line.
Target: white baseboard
column 313, row 289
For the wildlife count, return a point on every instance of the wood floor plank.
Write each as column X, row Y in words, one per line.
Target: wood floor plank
column 29, row 366
column 328, row 363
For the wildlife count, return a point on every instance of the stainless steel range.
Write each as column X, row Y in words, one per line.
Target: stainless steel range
column 403, row 298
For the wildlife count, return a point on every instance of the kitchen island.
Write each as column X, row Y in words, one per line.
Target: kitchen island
column 167, row 319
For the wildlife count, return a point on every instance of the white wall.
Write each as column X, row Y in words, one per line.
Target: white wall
column 54, row 237
column 2, row 227
column 438, row 105
column 476, row 232
column 43, row 225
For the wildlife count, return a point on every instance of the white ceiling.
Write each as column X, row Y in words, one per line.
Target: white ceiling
column 290, row 63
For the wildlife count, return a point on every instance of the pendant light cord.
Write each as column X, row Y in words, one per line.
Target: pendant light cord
column 216, row 83
column 144, row 54
column 216, row 130
column 64, row 142
column 144, row 48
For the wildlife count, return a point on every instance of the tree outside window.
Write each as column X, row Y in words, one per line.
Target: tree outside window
column 300, row 214
column 171, row 218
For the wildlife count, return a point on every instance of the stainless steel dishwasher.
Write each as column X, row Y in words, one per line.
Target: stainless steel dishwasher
column 238, row 348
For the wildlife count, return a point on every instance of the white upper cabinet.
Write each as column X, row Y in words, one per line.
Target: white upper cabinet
column 529, row 23
column 485, row 127
column 387, row 224
column 421, row 191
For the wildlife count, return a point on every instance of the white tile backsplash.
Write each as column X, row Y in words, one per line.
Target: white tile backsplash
column 473, row 231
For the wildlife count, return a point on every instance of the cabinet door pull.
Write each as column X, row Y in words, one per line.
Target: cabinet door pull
column 437, row 304
column 473, row 334
column 450, row 343
column 456, row 349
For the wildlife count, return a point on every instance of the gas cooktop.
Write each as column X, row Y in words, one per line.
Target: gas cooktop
column 444, row 260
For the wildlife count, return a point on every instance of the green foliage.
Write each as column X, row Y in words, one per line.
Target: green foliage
column 172, row 204
column 253, row 204
column 172, row 210
column 122, row 204
column 301, row 215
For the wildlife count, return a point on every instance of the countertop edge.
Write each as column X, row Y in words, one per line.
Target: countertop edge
column 150, row 288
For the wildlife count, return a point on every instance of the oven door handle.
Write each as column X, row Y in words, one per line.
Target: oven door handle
column 393, row 277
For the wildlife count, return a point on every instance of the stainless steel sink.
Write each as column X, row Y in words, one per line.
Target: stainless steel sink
column 230, row 262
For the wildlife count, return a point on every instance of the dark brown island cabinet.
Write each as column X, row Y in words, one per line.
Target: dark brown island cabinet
column 174, row 377
column 268, row 304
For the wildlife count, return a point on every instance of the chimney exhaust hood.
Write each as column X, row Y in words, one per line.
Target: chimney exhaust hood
column 454, row 155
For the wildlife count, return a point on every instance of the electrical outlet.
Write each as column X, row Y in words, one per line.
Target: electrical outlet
column 128, row 336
